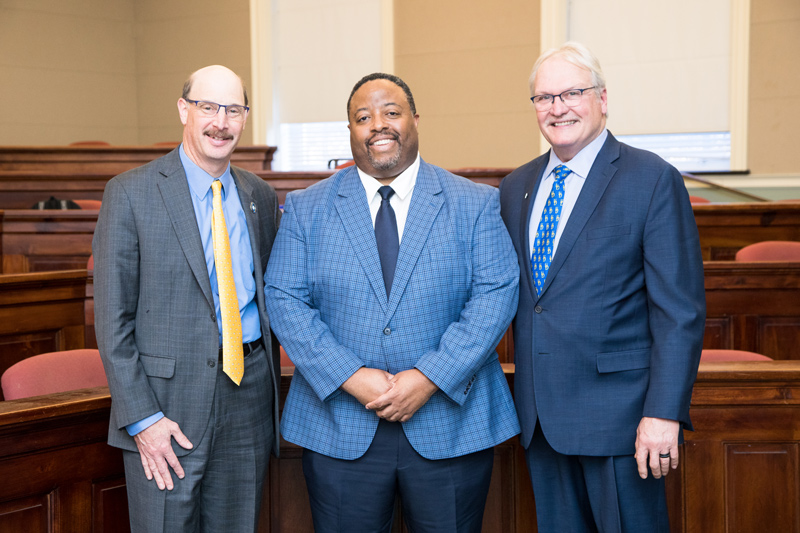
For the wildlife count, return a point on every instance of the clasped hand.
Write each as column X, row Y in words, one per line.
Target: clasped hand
column 392, row 397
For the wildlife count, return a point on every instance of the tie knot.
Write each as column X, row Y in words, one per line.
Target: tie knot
column 561, row 172
column 386, row 192
column 216, row 186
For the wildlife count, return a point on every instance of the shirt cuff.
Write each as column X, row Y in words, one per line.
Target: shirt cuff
column 141, row 425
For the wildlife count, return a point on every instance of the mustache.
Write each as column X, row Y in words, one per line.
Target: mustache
column 218, row 133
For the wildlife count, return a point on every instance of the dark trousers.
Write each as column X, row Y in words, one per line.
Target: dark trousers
column 445, row 495
column 224, row 471
column 580, row 493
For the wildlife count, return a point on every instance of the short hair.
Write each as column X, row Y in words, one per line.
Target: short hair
column 383, row 76
column 187, row 87
column 578, row 55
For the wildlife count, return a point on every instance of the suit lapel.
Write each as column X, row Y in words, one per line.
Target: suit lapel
column 253, row 227
column 353, row 208
column 596, row 183
column 177, row 201
column 525, row 220
column 426, row 202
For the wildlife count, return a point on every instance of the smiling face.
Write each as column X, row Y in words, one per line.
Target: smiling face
column 383, row 130
column 569, row 129
column 210, row 141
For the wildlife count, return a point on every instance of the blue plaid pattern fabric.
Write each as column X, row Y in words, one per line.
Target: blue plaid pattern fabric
column 454, row 294
column 546, row 233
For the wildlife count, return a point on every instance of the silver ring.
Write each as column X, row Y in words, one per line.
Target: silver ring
column 664, row 455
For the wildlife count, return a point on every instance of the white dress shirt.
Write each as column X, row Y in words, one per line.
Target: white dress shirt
column 580, row 165
column 400, row 201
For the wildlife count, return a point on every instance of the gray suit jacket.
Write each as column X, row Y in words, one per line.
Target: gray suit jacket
column 154, row 310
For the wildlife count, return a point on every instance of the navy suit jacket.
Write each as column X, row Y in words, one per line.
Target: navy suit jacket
column 453, row 297
column 617, row 332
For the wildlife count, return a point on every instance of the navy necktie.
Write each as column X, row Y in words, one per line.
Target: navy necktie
column 386, row 237
column 546, row 233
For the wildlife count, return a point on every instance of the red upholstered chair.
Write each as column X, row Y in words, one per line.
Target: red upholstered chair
column 88, row 204
column 698, row 200
column 53, row 372
column 770, row 251
column 285, row 361
column 725, row 356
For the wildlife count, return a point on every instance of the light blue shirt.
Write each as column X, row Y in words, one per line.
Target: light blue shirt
column 580, row 165
column 241, row 254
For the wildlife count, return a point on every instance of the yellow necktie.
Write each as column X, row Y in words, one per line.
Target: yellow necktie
column 232, row 356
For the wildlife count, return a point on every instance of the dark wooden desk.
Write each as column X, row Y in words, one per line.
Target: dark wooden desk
column 34, row 240
column 739, row 468
column 726, row 228
column 753, row 307
column 111, row 159
column 39, row 313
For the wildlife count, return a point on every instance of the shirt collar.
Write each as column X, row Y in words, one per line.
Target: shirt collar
column 200, row 180
column 402, row 184
column 582, row 163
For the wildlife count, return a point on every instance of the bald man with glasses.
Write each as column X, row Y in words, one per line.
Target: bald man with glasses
column 180, row 250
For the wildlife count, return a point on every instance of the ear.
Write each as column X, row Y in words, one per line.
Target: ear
column 183, row 110
column 416, row 120
column 604, row 102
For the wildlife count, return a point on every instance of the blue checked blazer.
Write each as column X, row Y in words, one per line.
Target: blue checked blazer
column 454, row 295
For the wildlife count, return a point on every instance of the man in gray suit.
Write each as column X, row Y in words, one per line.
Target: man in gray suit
column 194, row 388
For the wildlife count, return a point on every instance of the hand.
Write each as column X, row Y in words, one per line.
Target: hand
column 155, row 450
column 411, row 389
column 367, row 384
column 656, row 436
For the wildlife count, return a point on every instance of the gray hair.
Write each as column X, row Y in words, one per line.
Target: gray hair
column 578, row 55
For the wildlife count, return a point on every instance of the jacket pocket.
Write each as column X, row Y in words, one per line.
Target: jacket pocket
column 158, row 367
column 621, row 361
column 609, row 231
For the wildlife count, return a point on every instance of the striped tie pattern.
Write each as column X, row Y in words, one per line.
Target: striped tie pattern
column 232, row 353
column 546, row 233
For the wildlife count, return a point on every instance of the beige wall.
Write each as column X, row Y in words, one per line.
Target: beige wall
column 467, row 62
column 176, row 38
column 774, row 117
column 67, row 72
column 109, row 70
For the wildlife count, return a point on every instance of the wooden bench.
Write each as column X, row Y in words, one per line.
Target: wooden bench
column 754, row 307
column 111, row 159
column 39, row 313
column 739, row 468
column 34, row 240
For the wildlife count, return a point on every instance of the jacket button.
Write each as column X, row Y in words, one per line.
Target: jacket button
column 538, row 308
column 387, row 331
column 212, row 363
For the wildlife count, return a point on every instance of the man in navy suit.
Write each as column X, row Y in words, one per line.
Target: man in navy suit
column 611, row 312
column 390, row 286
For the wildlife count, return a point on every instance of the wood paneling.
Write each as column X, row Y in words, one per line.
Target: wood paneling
column 111, row 159
column 42, row 312
column 38, row 241
column 740, row 468
column 754, row 307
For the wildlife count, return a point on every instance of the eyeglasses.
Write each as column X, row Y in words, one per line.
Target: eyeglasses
column 571, row 98
column 210, row 109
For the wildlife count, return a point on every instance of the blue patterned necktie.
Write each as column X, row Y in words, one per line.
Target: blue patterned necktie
column 386, row 237
column 546, row 233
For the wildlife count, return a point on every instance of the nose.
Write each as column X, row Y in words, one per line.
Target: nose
column 221, row 118
column 378, row 123
column 559, row 107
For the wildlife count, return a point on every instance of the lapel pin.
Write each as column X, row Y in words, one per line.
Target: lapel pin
column 526, row 195
column 253, row 207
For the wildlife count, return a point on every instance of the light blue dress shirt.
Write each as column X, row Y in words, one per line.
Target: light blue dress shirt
column 241, row 254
